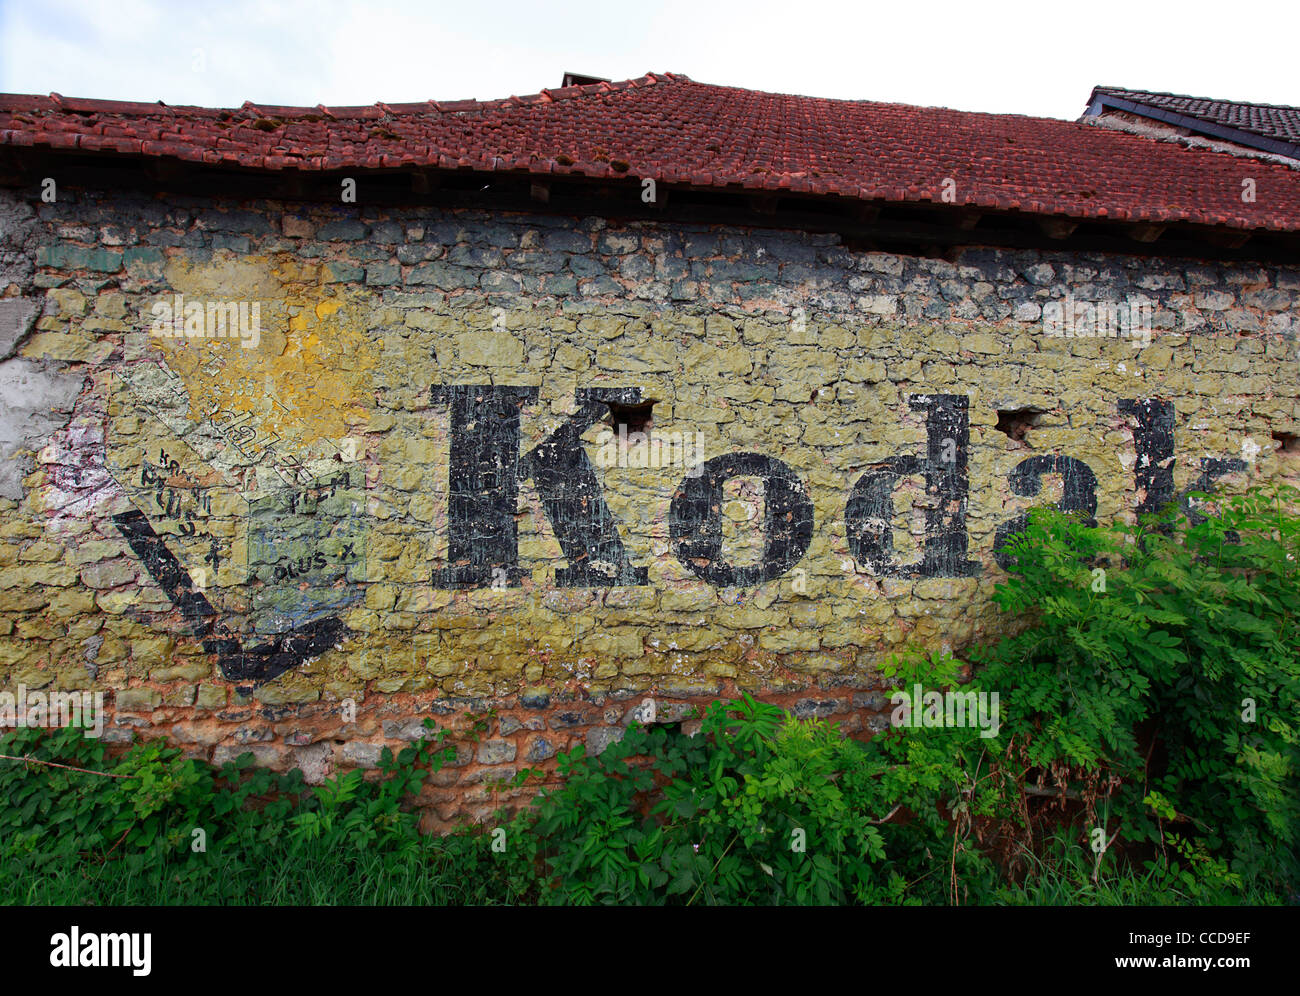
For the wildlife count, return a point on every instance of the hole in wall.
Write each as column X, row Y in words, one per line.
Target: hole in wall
column 1015, row 422
column 1288, row 445
column 626, row 420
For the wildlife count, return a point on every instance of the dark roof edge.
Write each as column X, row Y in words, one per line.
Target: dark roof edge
column 1234, row 135
column 1116, row 90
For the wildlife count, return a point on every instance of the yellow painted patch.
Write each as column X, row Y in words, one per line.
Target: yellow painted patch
column 308, row 377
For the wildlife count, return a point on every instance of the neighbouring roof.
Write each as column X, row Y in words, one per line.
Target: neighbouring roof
column 677, row 131
column 1270, row 127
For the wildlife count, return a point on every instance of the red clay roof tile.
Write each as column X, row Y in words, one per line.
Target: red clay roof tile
column 672, row 129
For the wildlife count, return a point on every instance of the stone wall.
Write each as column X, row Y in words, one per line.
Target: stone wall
column 396, row 492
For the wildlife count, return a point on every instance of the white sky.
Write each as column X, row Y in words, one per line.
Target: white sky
column 1040, row 58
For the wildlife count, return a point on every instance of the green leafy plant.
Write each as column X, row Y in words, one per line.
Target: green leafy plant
column 758, row 807
column 1165, row 683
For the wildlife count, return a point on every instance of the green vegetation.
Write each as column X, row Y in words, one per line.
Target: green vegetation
column 1147, row 752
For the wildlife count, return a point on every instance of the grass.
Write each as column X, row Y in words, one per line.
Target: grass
column 437, row 875
column 309, row 874
column 1064, row 876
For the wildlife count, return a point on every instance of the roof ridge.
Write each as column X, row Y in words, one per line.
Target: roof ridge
column 58, row 101
column 467, row 105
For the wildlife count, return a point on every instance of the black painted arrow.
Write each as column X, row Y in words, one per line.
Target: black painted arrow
column 258, row 665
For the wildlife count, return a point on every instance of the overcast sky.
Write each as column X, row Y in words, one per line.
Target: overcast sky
column 1040, row 58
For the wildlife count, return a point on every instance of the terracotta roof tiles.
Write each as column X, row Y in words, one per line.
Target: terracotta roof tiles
column 675, row 130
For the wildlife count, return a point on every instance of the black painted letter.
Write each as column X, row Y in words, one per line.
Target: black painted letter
column 1153, row 437
column 482, row 537
column 695, row 520
column 483, row 546
column 869, row 513
column 1079, row 486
